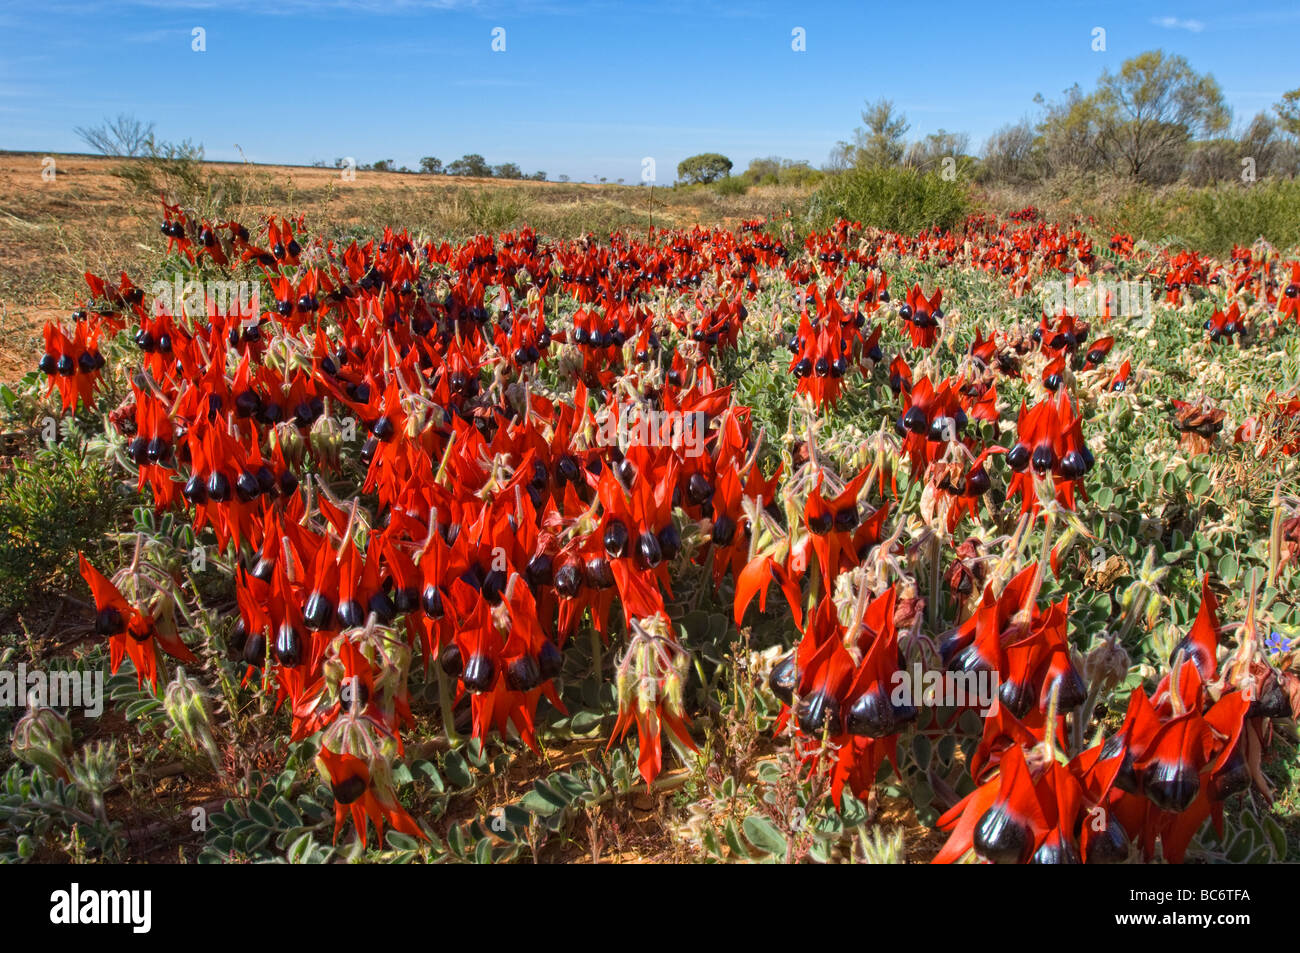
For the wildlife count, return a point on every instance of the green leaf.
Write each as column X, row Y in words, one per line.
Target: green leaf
column 456, row 770
column 456, row 840
column 539, row 803
column 285, row 812
column 260, row 813
column 585, row 722
column 853, row 811
column 556, row 797
column 1276, row 835
column 254, row 841
column 733, row 840
column 516, row 817
column 922, row 794
column 138, row 709
column 301, row 849
column 429, row 770
column 311, row 807
column 921, row 748
column 476, row 753
column 763, row 834
column 399, row 841
column 568, row 785
column 1242, row 847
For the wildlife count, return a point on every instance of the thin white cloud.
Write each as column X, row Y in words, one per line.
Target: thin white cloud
column 1174, row 23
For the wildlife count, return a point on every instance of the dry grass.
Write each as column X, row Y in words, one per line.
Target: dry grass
column 1208, row 219
column 101, row 215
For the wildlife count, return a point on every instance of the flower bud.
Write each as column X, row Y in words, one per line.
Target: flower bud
column 1106, row 664
column 43, row 739
column 186, row 706
column 325, row 440
column 623, row 687
column 162, row 608
column 285, row 435
column 673, row 690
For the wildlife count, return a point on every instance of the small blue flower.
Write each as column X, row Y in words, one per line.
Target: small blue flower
column 1277, row 643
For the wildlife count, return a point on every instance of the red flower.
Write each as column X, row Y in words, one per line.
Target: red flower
column 922, row 316
column 358, row 792
column 131, row 633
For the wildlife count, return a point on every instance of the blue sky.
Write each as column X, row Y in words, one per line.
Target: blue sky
column 587, row 89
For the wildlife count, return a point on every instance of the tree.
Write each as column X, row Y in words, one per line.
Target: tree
column 935, row 147
column 773, row 170
column 382, row 165
column 1288, row 113
column 1152, row 108
column 1009, row 154
column 123, row 136
column 1068, row 134
column 507, row 170
column 471, row 165
column 878, row 141
column 705, row 167
column 431, row 166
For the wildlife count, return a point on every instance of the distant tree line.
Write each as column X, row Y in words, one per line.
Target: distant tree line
column 473, row 165
column 1156, row 121
column 710, row 167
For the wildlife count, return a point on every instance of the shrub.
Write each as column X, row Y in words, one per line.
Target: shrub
column 900, row 199
column 50, row 506
column 731, row 185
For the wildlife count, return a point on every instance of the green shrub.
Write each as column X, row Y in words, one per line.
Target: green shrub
column 50, row 507
column 1217, row 217
column 1209, row 219
column 897, row 198
column 731, row 185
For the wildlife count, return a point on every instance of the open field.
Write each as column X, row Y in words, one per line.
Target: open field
column 101, row 214
column 1097, row 506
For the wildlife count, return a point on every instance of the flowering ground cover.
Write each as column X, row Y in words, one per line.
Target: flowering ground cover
column 692, row 544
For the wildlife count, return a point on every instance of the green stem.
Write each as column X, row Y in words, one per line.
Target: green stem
column 935, row 575
column 814, row 583
column 445, row 706
column 597, row 653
